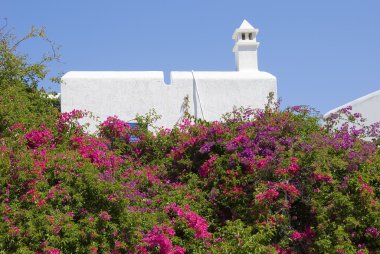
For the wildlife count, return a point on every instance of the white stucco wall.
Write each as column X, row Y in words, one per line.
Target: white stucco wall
column 127, row 93
column 368, row 106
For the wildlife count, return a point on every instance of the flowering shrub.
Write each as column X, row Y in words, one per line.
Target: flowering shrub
column 259, row 181
column 37, row 138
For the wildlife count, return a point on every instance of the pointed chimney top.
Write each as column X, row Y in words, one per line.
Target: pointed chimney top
column 245, row 25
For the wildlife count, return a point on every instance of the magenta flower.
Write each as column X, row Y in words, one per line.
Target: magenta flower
column 294, row 168
column 372, row 231
column 52, row 251
column 318, row 177
column 113, row 198
column 14, row 231
column 296, row 236
column 93, row 250
column 105, row 216
column 193, row 220
column 37, row 138
column 290, row 189
column 269, row 195
column 207, row 167
column 159, row 237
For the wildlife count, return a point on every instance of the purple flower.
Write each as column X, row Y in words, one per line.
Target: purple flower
column 372, row 231
column 206, row 147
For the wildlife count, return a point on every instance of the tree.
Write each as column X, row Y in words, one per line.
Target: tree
column 21, row 101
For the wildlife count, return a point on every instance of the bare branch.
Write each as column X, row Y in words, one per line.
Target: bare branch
column 5, row 25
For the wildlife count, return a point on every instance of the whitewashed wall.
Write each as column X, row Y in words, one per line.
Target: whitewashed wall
column 127, row 93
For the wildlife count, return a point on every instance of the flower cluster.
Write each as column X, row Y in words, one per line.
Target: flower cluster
column 114, row 128
column 267, row 196
column 192, row 219
column 159, row 237
column 37, row 138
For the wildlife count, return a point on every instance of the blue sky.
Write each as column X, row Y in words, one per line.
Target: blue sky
column 324, row 53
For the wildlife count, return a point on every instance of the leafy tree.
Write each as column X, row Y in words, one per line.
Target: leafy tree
column 21, row 101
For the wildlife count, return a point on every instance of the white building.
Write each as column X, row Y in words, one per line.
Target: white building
column 367, row 105
column 211, row 94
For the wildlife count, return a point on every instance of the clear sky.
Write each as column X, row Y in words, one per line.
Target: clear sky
column 324, row 53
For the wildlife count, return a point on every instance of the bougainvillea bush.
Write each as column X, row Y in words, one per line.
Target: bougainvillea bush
column 258, row 181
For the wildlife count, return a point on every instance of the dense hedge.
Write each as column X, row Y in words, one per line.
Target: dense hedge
column 266, row 181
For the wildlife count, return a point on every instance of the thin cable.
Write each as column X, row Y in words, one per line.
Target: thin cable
column 196, row 90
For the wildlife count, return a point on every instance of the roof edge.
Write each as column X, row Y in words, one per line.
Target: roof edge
column 354, row 102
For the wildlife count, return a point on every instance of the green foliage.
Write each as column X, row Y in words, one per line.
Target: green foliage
column 20, row 99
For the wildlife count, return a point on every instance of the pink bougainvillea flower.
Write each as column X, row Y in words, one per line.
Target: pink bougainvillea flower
column 296, row 236
column 37, row 138
column 105, row 216
column 52, row 251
